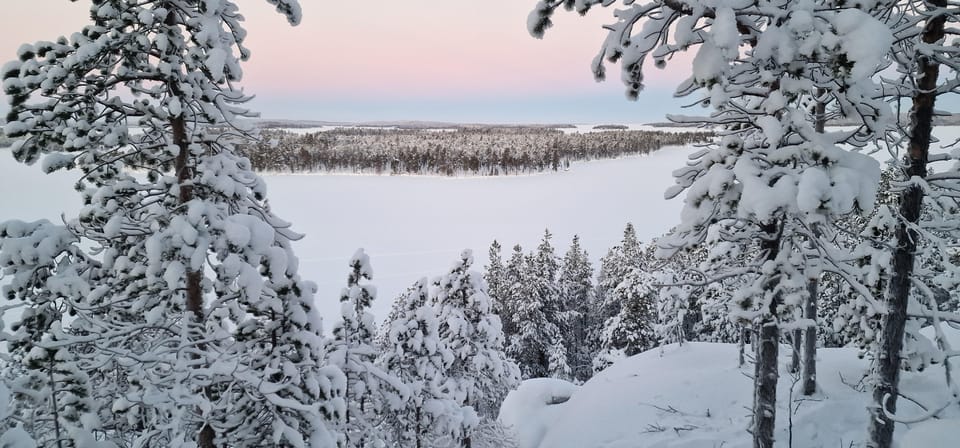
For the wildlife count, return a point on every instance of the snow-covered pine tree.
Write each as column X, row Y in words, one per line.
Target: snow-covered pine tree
column 12, row 434
column 922, row 53
column 369, row 389
column 480, row 374
column 772, row 179
column 575, row 284
column 192, row 324
column 413, row 352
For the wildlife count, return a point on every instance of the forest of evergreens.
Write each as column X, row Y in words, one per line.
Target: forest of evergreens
column 465, row 151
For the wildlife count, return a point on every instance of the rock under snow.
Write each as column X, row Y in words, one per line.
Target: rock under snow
column 533, row 408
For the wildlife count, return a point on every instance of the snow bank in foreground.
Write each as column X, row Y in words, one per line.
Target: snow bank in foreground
column 943, row 433
column 534, row 407
column 696, row 396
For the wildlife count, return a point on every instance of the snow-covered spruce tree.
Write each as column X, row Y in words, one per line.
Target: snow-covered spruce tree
column 369, row 389
column 497, row 280
column 771, row 180
column 538, row 347
column 479, row 374
column 514, row 291
column 413, row 352
column 614, row 267
column 619, row 263
column 191, row 323
column 575, row 284
column 633, row 329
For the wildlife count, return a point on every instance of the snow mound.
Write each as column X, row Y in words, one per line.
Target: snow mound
column 933, row 434
column 695, row 396
column 533, row 407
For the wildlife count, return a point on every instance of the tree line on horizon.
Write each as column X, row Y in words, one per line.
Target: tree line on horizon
column 489, row 151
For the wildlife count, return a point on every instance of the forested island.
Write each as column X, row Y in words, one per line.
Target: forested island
column 463, row 151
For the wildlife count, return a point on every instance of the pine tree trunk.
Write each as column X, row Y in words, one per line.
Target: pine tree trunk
column 419, row 429
column 194, row 300
column 53, row 402
column 891, row 337
column 765, row 385
column 795, row 345
column 193, row 280
column 809, row 375
column 766, row 374
column 744, row 335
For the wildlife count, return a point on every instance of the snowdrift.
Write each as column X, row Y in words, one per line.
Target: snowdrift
column 695, row 396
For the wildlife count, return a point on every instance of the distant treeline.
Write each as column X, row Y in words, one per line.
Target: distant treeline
column 470, row 151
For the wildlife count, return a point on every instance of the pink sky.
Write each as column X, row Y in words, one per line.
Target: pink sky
column 352, row 55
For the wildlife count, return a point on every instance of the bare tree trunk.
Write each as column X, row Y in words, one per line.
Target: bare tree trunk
column 766, row 373
column 887, row 378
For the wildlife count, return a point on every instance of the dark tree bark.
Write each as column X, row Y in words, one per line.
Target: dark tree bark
column 796, row 345
column 766, row 374
column 194, row 290
column 809, row 372
column 891, row 336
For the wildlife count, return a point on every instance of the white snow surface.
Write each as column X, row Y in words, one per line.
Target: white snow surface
column 943, row 433
column 414, row 227
column 534, row 407
column 695, row 396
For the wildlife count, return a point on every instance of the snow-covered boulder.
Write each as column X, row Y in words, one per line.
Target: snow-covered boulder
column 533, row 407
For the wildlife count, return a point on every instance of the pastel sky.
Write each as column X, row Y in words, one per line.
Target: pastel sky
column 447, row 60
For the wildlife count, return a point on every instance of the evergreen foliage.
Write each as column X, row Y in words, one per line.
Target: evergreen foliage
column 172, row 301
column 479, row 374
column 575, row 285
column 464, row 151
column 772, row 185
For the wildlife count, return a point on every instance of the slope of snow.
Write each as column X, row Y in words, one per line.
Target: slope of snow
column 695, row 396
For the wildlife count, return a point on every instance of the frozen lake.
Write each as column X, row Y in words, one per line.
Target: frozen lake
column 416, row 226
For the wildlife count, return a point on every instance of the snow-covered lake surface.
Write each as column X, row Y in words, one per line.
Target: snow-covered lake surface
column 416, row 226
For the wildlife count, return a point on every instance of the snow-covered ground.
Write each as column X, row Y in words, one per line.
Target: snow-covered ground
column 695, row 396
column 417, row 226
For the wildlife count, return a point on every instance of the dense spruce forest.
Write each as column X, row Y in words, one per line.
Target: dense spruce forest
column 464, row 151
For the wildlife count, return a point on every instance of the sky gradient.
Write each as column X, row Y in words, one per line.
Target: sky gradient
column 444, row 60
